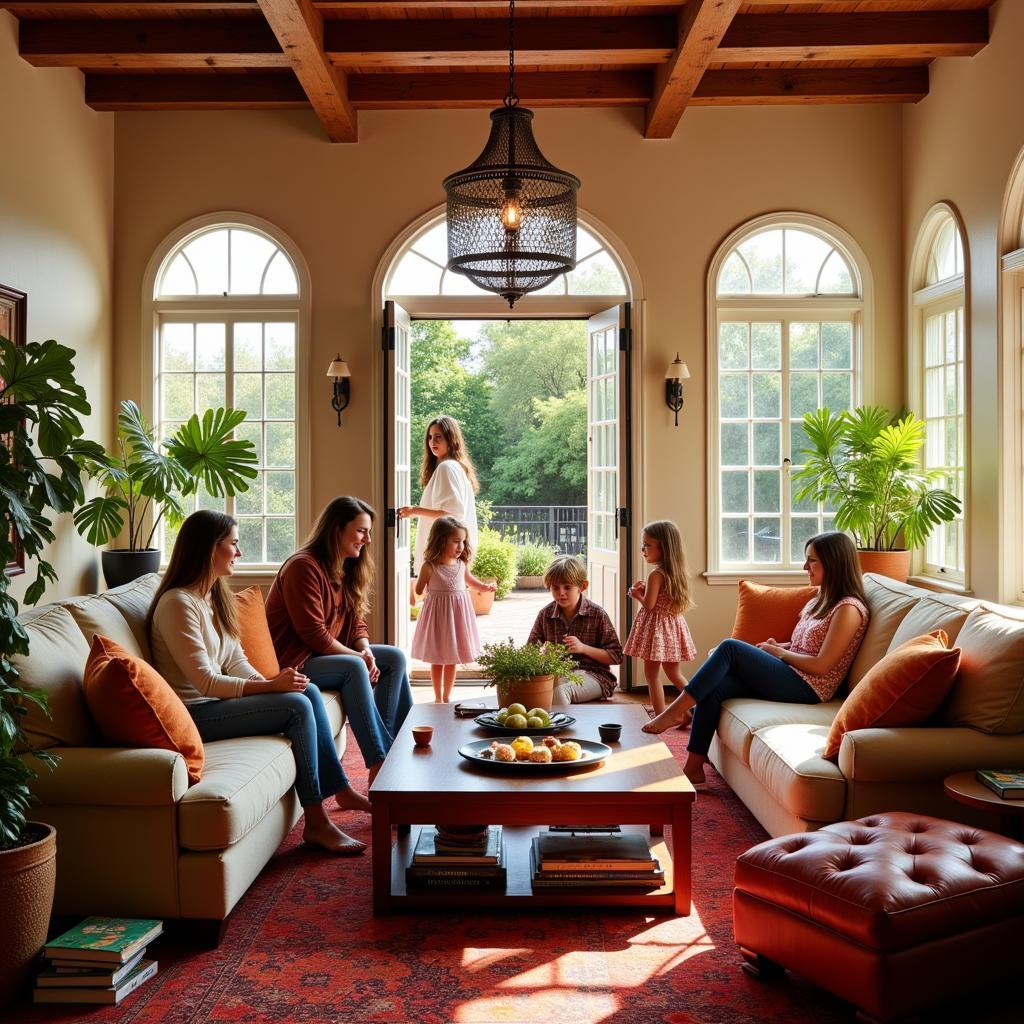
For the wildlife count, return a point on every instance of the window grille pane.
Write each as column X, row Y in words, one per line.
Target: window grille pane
column 208, row 255
column 766, row 388
column 248, row 346
column 803, row 393
column 253, row 432
column 835, row 278
column 733, row 399
column 250, row 254
column 178, row 279
column 280, row 539
column 433, row 244
column 733, row 279
column 805, row 253
column 250, row 539
column 416, row 276
column 280, row 493
column 249, row 394
column 209, row 391
column 280, row 445
column 767, row 491
column 802, row 529
column 177, row 347
column 798, row 443
column 767, row 540
column 251, row 501
column 836, row 391
column 767, row 447
column 279, row 347
column 280, row 277
column 596, row 275
column 735, row 450
column 837, row 346
column 735, row 540
column 803, row 346
column 177, row 400
column 766, row 346
column 735, row 497
column 210, row 346
column 763, row 255
column 280, row 396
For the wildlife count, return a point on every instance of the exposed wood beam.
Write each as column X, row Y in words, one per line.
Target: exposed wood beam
column 701, row 27
column 270, row 90
column 299, row 28
column 764, row 86
column 922, row 35
column 72, row 8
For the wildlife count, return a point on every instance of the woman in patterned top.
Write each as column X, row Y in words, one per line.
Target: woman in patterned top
column 807, row 669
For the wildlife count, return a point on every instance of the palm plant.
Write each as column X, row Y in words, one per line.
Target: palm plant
column 146, row 485
column 866, row 465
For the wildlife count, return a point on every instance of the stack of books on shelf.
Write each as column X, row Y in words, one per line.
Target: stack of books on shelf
column 1007, row 782
column 457, row 857
column 100, row 960
column 621, row 860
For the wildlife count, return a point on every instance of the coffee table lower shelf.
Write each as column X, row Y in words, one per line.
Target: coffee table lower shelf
column 519, row 893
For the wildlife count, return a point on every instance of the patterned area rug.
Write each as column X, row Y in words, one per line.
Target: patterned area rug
column 303, row 946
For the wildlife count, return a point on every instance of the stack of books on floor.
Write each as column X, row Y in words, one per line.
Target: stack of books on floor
column 621, row 860
column 457, row 857
column 100, row 960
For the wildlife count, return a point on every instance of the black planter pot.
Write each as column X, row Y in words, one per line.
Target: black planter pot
column 121, row 567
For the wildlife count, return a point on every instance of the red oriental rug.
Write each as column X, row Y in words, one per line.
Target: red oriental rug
column 303, row 946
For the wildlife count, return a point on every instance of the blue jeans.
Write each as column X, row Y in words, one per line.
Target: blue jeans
column 375, row 712
column 738, row 669
column 302, row 717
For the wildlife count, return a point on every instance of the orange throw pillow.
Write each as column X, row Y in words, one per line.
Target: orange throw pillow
column 906, row 687
column 254, row 632
column 132, row 704
column 766, row 612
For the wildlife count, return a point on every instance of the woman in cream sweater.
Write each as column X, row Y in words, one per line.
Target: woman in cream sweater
column 193, row 631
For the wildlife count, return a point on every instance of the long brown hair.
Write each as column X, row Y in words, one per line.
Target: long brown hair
column 443, row 528
column 840, row 569
column 324, row 544
column 673, row 564
column 190, row 566
column 452, row 432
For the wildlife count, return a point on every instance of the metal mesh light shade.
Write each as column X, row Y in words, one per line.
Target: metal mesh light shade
column 511, row 262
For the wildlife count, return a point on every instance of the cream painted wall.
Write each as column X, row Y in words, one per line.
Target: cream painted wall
column 56, row 244
column 670, row 202
column 959, row 145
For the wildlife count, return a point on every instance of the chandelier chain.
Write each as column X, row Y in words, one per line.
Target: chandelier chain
column 511, row 99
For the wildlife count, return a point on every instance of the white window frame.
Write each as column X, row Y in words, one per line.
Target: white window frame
column 858, row 308
column 929, row 300
column 229, row 308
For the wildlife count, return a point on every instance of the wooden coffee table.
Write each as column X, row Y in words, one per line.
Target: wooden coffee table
column 640, row 786
column 965, row 788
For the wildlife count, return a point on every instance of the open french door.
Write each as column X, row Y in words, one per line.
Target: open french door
column 397, row 406
column 609, row 467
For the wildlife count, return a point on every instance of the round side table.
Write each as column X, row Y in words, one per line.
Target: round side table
column 965, row 788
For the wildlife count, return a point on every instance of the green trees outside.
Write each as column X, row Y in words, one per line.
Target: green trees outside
column 519, row 391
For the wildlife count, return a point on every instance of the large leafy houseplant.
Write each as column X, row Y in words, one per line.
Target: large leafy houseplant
column 866, row 465
column 146, row 485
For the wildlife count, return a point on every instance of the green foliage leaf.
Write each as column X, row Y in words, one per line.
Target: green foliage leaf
column 207, row 452
column 100, row 520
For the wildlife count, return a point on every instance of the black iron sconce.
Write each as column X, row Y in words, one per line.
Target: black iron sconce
column 339, row 371
column 677, row 373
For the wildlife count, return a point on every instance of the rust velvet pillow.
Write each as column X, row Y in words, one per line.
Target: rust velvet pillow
column 254, row 633
column 132, row 704
column 766, row 612
column 906, row 687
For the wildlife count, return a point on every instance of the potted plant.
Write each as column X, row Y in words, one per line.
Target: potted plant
column 494, row 561
column 146, row 485
column 39, row 476
column 866, row 465
column 532, row 561
column 525, row 674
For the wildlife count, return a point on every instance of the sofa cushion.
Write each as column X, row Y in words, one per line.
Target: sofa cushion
column 132, row 600
column 55, row 665
column 931, row 613
column 243, row 779
column 254, row 633
column 787, row 761
column 989, row 690
column 763, row 613
column 889, row 603
column 906, row 687
column 95, row 616
column 742, row 717
column 134, row 705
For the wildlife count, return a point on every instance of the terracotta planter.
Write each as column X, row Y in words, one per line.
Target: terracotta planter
column 28, row 875
column 533, row 692
column 894, row 564
column 529, row 583
column 483, row 601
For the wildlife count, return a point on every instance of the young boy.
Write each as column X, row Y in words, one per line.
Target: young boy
column 584, row 627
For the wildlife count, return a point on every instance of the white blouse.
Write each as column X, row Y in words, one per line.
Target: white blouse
column 448, row 489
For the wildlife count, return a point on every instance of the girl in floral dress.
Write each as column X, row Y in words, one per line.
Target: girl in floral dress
column 660, row 635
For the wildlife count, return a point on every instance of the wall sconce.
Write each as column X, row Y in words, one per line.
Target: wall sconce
column 340, row 372
column 677, row 373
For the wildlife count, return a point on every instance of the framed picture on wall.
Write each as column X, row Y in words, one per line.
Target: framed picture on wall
column 13, row 305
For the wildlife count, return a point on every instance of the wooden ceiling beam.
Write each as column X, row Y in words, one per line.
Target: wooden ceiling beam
column 299, row 28
column 753, row 38
column 251, row 90
column 701, row 27
column 72, row 8
column 773, row 86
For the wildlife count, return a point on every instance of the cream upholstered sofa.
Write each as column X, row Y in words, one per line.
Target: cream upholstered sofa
column 770, row 753
column 133, row 839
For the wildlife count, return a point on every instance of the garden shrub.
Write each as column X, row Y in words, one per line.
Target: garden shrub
column 495, row 558
column 534, row 559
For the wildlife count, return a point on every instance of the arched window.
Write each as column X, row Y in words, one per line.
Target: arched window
column 228, row 302
column 938, row 361
column 785, row 337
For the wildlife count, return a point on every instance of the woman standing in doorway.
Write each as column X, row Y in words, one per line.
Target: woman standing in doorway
column 449, row 484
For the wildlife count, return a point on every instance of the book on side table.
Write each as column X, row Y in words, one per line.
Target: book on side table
column 1008, row 783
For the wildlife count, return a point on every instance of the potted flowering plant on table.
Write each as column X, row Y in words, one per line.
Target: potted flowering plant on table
column 525, row 674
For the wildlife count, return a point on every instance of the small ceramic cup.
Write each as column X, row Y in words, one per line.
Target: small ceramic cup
column 422, row 735
column 610, row 732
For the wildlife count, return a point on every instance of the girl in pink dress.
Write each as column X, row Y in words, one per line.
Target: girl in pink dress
column 660, row 635
column 446, row 635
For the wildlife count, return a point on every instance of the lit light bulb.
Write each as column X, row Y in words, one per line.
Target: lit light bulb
column 512, row 211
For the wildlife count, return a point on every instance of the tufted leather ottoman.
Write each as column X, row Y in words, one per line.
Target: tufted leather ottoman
column 894, row 912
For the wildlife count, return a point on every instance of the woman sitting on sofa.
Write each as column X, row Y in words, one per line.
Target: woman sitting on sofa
column 193, row 632
column 805, row 670
column 315, row 612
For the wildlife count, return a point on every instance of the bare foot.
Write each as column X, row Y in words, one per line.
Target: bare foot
column 350, row 800
column 673, row 715
column 330, row 838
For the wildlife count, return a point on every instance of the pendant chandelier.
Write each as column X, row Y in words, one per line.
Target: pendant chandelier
column 511, row 213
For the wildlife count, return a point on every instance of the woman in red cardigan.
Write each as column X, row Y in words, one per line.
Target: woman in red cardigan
column 315, row 611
